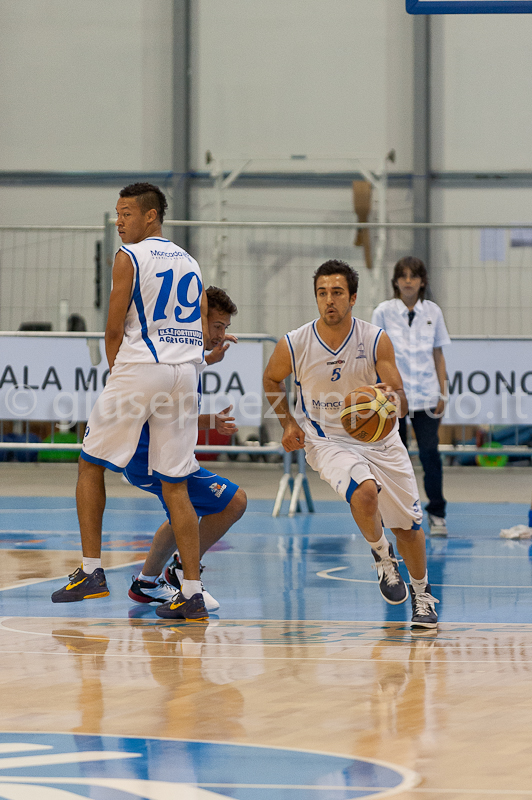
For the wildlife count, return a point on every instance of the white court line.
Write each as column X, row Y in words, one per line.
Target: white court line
column 326, row 659
column 75, row 532
column 397, row 644
column 55, row 510
column 326, row 574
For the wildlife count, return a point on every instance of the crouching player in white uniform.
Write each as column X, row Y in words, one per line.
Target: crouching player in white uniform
column 219, row 502
column 330, row 357
column 154, row 347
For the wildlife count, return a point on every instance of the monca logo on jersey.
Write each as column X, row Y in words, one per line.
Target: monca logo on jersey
column 175, row 254
column 327, row 404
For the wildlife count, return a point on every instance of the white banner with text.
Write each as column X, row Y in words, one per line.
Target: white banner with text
column 60, row 379
column 490, row 382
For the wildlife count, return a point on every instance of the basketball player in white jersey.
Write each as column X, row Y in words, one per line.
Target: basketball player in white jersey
column 154, row 346
column 330, row 357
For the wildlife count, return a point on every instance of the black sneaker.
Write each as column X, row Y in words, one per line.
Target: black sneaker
column 148, row 592
column 423, row 611
column 82, row 587
column 392, row 586
column 181, row 608
column 173, row 575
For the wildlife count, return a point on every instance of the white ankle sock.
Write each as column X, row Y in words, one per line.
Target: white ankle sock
column 149, row 578
column 90, row 564
column 188, row 588
column 418, row 586
column 382, row 546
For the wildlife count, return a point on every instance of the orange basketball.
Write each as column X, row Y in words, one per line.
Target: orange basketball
column 368, row 415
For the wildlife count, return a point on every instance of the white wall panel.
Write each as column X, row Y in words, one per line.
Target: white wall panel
column 85, row 86
column 482, row 83
column 320, row 77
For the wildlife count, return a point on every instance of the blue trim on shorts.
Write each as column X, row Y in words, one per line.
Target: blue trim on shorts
column 416, row 526
column 137, row 297
column 350, row 489
column 167, row 479
column 101, row 462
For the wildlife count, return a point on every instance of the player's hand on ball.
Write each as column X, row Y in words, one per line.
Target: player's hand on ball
column 391, row 395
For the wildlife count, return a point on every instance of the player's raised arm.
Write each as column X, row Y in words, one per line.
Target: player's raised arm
column 118, row 305
column 278, row 368
column 392, row 383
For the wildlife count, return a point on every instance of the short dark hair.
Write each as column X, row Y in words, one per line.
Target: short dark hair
column 418, row 270
column 220, row 300
column 336, row 267
column 147, row 196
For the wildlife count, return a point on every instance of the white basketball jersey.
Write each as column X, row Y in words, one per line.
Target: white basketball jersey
column 324, row 377
column 163, row 321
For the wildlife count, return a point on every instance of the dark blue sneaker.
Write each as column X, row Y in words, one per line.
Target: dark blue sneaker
column 181, row 608
column 392, row 586
column 423, row 611
column 174, row 576
column 82, row 587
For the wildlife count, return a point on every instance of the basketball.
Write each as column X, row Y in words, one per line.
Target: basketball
column 368, row 415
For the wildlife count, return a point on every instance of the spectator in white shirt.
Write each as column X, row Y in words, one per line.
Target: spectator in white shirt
column 418, row 333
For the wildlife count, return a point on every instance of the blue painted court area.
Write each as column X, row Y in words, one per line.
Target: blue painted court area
column 312, row 567
column 108, row 767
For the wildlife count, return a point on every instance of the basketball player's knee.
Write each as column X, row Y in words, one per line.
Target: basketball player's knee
column 408, row 536
column 174, row 491
column 238, row 503
column 365, row 497
column 90, row 469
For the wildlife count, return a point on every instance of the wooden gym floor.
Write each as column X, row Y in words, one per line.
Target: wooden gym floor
column 304, row 684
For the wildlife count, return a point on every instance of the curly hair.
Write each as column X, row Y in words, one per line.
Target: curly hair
column 336, row 267
column 220, row 300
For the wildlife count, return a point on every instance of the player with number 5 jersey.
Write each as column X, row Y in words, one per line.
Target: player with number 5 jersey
column 330, row 358
column 154, row 347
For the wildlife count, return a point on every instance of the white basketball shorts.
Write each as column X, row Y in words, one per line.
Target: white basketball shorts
column 164, row 394
column 345, row 466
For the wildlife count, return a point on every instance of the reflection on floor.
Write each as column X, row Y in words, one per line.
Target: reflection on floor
column 303, row 684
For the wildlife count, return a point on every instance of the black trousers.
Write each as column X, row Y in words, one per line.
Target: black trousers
column 426, row 430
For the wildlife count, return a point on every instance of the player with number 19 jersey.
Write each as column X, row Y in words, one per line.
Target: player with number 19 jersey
column 157, row 330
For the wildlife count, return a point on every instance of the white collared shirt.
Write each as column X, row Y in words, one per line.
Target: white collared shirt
column 414, row 347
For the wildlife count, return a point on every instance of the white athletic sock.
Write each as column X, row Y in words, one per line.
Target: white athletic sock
column 90, row 564
column 418, row 586
column 188, row 588
column 381, row 547
column 149, row 578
